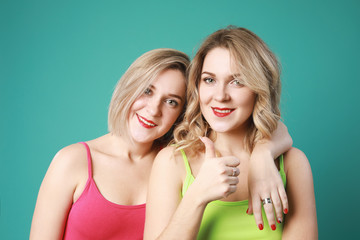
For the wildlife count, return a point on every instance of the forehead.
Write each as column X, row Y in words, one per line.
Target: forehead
column 220, row 61
column 217, row 59
column 170, row 81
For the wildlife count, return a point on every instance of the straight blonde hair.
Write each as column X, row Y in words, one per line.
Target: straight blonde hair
column 260, row 72
column 138, row 77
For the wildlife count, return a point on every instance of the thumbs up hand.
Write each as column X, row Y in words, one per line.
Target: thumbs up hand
column 217, row 177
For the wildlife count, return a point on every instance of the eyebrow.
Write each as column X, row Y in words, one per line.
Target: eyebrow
column 209, row 73
column 236, row 75
column 170, row 94
column 176, row 96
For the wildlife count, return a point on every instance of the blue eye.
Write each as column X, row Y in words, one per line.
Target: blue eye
column 172, row 102
column 147, row 91
column 237, row 82
column 209, row 80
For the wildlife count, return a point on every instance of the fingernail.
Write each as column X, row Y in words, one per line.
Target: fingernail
column 273, row 227
column 285, row 211
column 279, row 220
column 247, row 211
column 261, row 227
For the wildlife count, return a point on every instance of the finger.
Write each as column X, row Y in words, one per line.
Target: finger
column 256, row 203
column 250, row 209
column 231, row 161
column 232, row 171
column 231, row 189
column 269, row 211
column 232, row 180
column 209, row 147
column 277, row 206
column 284, row 200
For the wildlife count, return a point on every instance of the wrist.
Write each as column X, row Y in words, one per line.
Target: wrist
column 262, row 151
column 195, row 196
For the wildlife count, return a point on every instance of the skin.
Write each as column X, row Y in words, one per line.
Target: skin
column 161, row 105
column 121, row 168
column 168, row 216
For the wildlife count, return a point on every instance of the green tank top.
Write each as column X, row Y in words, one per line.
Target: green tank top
column 228, row 220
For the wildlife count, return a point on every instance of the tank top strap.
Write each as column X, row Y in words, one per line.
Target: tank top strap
column 88, row 159
column 281, row 163
column 282, row 169
column 186, row 162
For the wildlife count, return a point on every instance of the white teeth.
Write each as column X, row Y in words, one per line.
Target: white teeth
column 222, row 111
column 146, row 122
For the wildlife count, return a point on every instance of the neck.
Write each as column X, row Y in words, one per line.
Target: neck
column 231, row 142
column 133, row 150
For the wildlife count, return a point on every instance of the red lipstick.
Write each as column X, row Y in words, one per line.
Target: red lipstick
column 222, row 112
column 145, row 122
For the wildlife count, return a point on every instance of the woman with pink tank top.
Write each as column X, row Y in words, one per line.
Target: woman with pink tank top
column 97, row 189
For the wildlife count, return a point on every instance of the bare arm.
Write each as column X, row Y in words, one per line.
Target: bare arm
column 164, row 198
column 56, row 195
column 264, row 178
column 170, row 217
column 301, row 222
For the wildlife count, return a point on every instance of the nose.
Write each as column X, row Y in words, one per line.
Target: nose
column 154, row 107
column 221, row 93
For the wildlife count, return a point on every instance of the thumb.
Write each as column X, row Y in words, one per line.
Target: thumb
column 209, row 147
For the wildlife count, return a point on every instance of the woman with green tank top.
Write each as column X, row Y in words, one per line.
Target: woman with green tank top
column 199, row 186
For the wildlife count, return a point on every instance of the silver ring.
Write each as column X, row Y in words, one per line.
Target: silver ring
column 234, row 172
column 266, row 200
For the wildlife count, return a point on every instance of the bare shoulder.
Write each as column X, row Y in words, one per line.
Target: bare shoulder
column 171, row 159
column 296, row 160
column 71, row 155
column 168, row 155
column 294, row 152
column 70, row 161
column 301, row 196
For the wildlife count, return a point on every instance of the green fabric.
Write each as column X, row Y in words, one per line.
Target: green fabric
column 228, row 220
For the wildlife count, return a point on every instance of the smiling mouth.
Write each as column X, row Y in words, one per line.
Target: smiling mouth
column 222, row 112
column 145, row 123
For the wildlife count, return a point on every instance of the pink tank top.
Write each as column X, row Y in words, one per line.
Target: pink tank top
column 94, row 217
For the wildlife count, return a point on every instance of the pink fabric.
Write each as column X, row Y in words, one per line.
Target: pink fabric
column 94, row 217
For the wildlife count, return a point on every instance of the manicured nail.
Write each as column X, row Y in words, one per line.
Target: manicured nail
column 247, row 211
column 273, row 227
column 285, row 211
column 279, row 220
column 261, row 227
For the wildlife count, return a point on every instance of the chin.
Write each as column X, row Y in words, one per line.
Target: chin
column 220, row 128
column 142, row 140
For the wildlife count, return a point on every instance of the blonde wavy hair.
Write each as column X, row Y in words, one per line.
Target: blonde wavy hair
column 260, row 71
column 137, row 78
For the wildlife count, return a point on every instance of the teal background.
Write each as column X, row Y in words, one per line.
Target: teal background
column 60, row 61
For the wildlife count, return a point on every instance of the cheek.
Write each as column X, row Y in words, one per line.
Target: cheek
column 174, row 115
column 203, row 94
column 248, row 100
column 170, row 118
column 138, row 104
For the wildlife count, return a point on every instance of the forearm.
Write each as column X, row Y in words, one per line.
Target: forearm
column 180, row 218
column 279, row 143
column 186, row 220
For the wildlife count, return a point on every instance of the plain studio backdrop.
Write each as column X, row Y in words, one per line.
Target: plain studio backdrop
column 60, row 61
